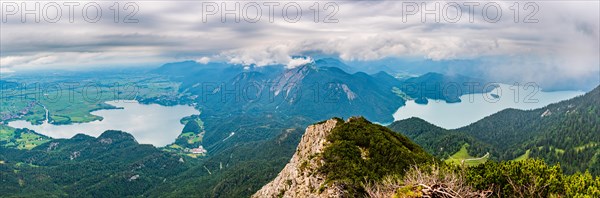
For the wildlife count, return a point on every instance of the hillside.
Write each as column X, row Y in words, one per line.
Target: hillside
column 334, row 158
column 566, row 132
column 443, row 87
column 438, row 141
column 113, row 164
column 242, row 164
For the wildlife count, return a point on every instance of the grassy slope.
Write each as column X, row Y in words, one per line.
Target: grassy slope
column 463, row 156
column 522, row 157
column 23, row 139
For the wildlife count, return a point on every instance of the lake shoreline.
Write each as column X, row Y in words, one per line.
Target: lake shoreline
column 148, row 123
column 477, row 106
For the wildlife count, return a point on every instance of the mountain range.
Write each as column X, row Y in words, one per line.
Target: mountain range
column 318, row 90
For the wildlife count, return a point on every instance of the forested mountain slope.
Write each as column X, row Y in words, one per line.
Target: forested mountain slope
column 566, row 132
column 113, row 164
column 441, row 142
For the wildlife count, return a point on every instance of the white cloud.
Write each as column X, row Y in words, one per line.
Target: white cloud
column 203, row 60
column 260, row 55
column 563, row 43
column 298, row 62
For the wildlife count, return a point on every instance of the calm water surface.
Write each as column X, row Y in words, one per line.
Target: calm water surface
column 477, row 106
column 149, row 124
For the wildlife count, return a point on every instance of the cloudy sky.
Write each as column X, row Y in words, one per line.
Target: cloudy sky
column 532, row 41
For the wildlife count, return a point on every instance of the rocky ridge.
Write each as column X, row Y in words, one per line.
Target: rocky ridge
column 299, row 178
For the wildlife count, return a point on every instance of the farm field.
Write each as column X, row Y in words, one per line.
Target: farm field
column 70, row 102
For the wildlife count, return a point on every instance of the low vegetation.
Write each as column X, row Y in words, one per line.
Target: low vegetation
column 526, row 178
column 362, row 151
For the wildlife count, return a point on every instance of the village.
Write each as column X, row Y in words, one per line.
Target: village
column 7, row 114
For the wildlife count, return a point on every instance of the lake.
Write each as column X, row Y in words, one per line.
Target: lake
column 477, row 106
column 149, row 124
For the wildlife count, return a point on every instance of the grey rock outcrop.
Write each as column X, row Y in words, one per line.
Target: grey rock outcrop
column 299, row 178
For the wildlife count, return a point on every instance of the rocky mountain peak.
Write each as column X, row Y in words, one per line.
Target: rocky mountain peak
column 335, row 157
column 299, row 178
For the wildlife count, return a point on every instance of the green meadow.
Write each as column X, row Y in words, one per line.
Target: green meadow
column 20, row 139
column 463, row 157
column 523, row 157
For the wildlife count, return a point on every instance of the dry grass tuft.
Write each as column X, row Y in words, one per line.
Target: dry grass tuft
column 432, row 181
